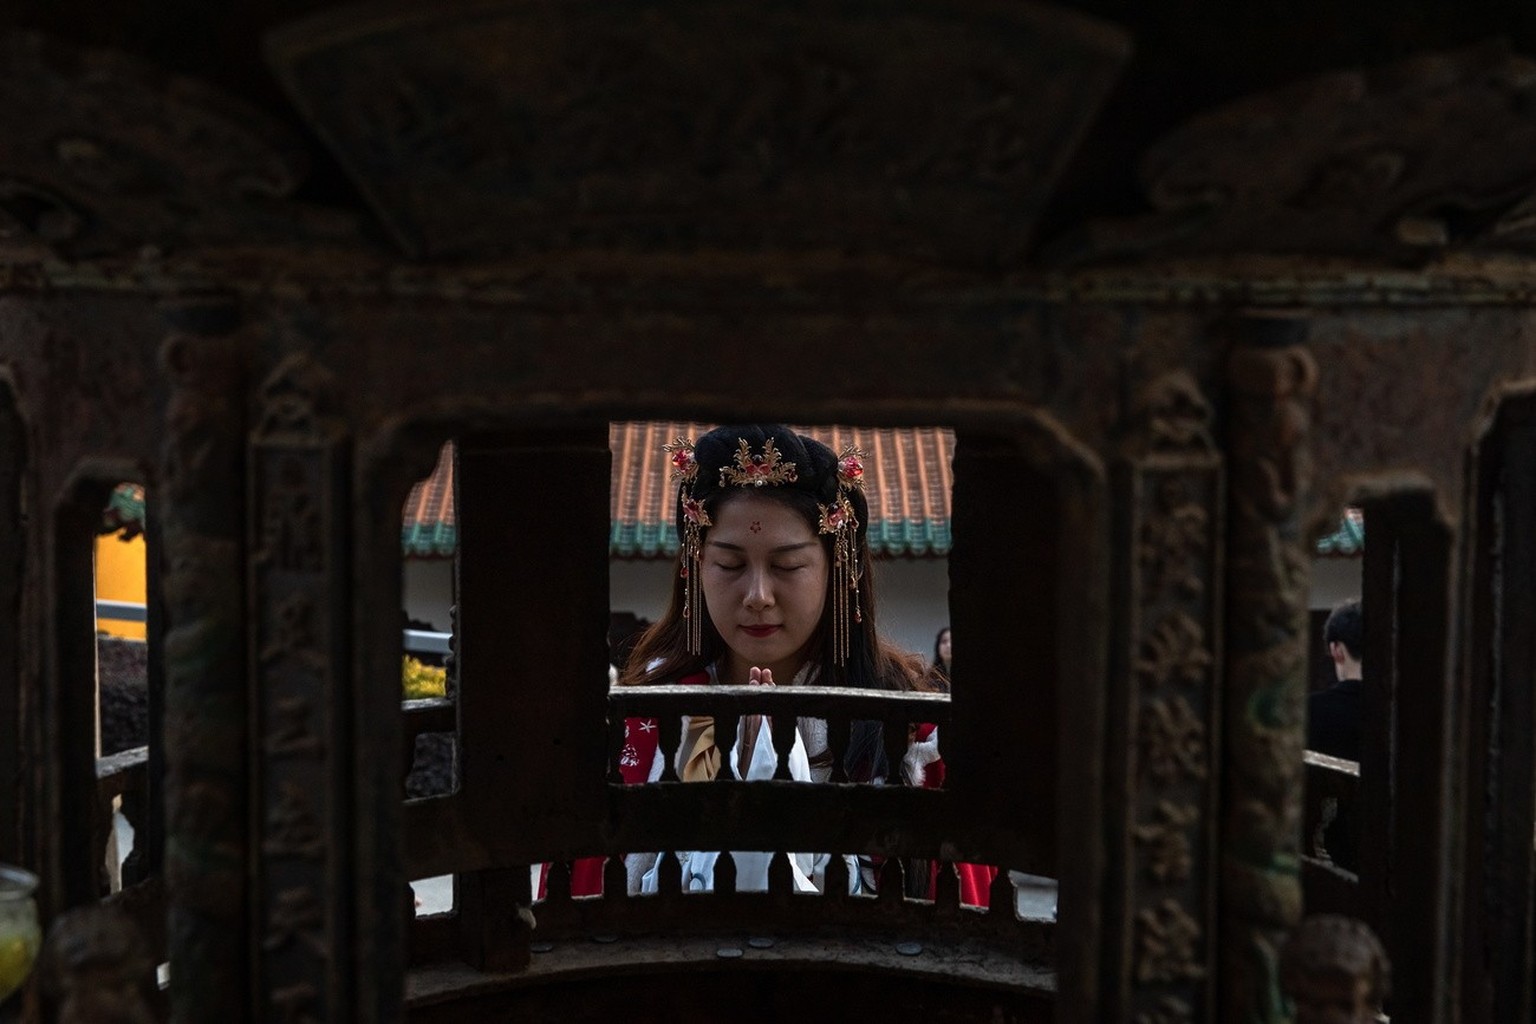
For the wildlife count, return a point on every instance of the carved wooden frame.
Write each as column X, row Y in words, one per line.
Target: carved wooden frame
column 435, row 832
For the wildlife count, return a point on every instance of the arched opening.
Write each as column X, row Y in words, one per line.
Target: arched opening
column 532, row 658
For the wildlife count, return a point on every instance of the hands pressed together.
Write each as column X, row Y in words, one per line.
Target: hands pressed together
column 753, row 725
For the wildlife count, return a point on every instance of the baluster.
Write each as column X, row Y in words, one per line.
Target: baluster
column 835, row 881
column 838, row 730
column 893, row 881
column 101, row 842
column 783, row 729
column 133, row 808
column 725, row 737
column 725, row 873
column 557, row 883
column 781, row 877
column 615, row 747
column 408, row 894
column 408, row 754
column 615, row 878
column 669, row 874
column 671, row 739
column 523, row 892
column 946, row 889
column 895, row 749
column 1001, row 898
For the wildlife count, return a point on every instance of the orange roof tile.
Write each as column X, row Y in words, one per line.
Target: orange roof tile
column 907, row 484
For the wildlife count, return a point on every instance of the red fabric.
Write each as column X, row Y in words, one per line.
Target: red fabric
column 641, row 736
column 975, row 879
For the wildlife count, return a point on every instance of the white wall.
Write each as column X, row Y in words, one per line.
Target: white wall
column 1334, row 580
column 914, row 593
column 914, row 596
column 428, row 586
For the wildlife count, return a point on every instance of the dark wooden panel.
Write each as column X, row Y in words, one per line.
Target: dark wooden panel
column 1028, row 596
column 1379, row 704
column 1005, row 574
column 1497, row 695
column 1408, row 562
column 672, row 981
column 148, row 855
column 532, row 658
column 532, row 632
column 18, row 788
column 76, row 832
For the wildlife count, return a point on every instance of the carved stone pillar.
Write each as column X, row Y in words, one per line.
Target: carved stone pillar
column 1271, row 380
column 300, row 588
column 205, row 725
column 1164, row 719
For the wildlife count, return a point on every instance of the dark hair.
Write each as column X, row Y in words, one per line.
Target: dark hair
column 1346, row 625
column 661, row 655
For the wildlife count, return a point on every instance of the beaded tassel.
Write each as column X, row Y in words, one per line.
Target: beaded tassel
column 846, row 574
column 685, row 468
column 692, row 597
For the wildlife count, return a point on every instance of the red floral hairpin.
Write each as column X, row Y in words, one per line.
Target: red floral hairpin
column 836, row 516
column 693, row 512
column 850, row 467
column 685, row 465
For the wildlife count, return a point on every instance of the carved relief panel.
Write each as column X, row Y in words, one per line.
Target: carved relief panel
column 299, row 669
column 1165, row 710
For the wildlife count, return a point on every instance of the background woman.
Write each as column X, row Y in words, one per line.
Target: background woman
column 938, row 670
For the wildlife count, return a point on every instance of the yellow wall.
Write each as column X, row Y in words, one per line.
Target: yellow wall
column 120, row 577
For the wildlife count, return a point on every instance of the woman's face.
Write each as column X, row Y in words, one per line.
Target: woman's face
column 765, row 585
column 944, row 647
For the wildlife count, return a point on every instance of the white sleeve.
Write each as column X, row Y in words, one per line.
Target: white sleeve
column 765, row 760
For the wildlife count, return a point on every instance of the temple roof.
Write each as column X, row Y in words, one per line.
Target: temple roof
column 907, row 485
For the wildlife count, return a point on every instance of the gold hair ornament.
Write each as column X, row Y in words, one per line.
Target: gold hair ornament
column 840, row 520
column 758, row 470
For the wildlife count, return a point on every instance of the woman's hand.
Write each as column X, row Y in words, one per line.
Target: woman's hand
column 754, row 723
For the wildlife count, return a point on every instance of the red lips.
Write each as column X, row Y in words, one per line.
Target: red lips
column 760, row 631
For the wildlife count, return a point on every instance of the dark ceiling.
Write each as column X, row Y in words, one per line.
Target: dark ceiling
column 1189, row 55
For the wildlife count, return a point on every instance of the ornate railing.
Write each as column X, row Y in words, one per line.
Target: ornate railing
column 893, row 828
column 1332, row 788
column 122, row 787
